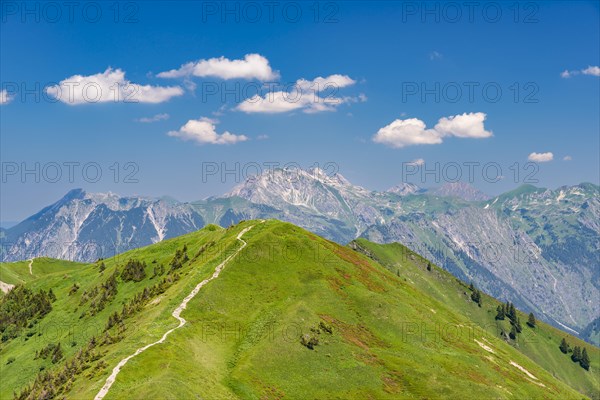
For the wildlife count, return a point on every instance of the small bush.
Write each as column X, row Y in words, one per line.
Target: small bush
column 74, row 289
column 309, row 341
column 325, row 327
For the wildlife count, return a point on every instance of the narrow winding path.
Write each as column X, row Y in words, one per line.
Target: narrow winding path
column 7, row 287
column 176, row 313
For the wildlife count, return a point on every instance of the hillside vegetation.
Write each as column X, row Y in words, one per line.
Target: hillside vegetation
column 291, row 315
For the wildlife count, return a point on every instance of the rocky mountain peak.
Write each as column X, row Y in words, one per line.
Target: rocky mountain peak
column 461, row 190
column 403, row 189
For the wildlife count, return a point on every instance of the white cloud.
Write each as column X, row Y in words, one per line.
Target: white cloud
column 189, row 84
column 434, row 55
column 155, row 118
column 109, row 86
column 417, row 162
column 253, row 66
column 4, row 97
column 272, row 103
column 590, row 70
column 408, row 132
column 464, row 126
column 565, row 74
column 413, row 131
column 541, row 157
column 567, row 158
column 221, row 111
column 203, row 131
column 332, row 82
column 312, row 96
column 262, row 137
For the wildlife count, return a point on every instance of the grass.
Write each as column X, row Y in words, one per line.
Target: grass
column 540, row 343
column 242, row 340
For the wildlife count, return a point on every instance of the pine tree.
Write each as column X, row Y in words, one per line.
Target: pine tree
column 57, row 354
column 476, row 297
column 585, row 360
column 428, row 266
column 472, row 287
column 500, row 313
column 576, row 356
column 531, row 321
column 512, row 313
column 518, row 326
column 564, row 346
column 513, row 333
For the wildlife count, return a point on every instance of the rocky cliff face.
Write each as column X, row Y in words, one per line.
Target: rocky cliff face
column 460, row 190
column 84, row 227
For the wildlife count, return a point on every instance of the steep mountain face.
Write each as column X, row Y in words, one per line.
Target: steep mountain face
column 460, row 190
column 591, row 333
column 84, row 226
column 301, row 193
column 535, row 247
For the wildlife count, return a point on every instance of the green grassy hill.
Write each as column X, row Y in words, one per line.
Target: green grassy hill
column 540, row 343
column 18, row 273
column 380, row 325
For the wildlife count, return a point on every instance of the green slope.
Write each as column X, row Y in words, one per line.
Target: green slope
column 390, row 334
column 541, row 343
column 17, row 273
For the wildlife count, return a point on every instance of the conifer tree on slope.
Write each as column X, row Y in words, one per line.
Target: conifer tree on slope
column 564, row 346
column 585, row 359
column 531, row 320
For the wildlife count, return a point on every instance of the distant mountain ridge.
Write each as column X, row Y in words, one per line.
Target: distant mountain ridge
column 537, row 247
column 85, row 226
column 460, row 190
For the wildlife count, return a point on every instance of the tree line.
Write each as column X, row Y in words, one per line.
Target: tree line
column 22, row 308
column 578, row 354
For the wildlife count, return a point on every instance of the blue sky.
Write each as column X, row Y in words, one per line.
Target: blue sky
column 376, row 59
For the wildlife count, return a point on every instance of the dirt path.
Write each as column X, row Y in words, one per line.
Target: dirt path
column 176, row 313
column 30, row 266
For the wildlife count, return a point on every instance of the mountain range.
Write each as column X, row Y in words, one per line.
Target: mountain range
column 536, row 247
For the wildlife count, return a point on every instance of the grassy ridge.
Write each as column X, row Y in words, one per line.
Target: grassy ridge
column 246, row 343
column 243, row 334
column 17, row 273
